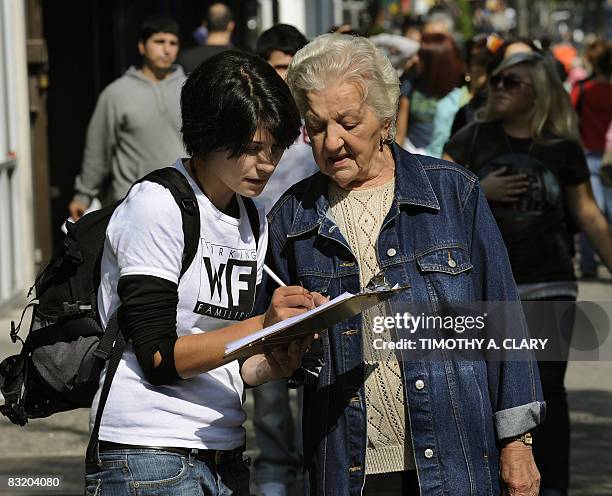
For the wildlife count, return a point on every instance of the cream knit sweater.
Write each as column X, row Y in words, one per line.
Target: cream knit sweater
column 359, row 216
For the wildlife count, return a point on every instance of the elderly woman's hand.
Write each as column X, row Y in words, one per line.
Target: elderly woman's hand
column 276, row 364
column 518, row 470
column 501, row 187
column 283, row 362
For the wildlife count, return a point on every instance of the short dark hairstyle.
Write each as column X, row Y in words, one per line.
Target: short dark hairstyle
column 218, row 17
column 281, row 37
column 157, row 24
column 227, row 97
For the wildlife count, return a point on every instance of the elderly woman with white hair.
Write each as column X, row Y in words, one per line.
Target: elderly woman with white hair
column 384, row 421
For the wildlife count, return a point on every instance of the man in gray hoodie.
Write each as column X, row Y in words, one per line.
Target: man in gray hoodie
column 135, row 127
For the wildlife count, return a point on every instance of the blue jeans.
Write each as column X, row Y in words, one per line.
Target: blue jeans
column 603, row 198
column 156, row 473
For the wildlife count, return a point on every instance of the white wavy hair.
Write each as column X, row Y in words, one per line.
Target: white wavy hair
column 341, row 58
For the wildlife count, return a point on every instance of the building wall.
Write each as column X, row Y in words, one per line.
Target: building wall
column 16, row 211
column 311, row 17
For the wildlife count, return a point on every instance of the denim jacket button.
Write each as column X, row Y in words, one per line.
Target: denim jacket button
column 429, row 453
column 419, row 384
column 452, row 263
column 391, row 252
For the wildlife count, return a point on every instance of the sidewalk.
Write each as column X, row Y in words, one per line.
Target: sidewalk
column 589, row 387
column 56, row 445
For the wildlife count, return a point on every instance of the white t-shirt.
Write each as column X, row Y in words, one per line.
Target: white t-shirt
column 145, row 237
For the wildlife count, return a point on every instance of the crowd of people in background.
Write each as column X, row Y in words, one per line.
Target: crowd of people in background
column 537, row 131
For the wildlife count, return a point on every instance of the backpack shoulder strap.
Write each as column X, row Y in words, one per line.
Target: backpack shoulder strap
column 172, row 179
column 253, row 215
column 114, row 345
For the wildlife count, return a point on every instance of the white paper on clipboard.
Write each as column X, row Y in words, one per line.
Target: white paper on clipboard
column 330, row 313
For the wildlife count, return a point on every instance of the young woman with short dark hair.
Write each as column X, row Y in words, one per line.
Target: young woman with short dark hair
column 173, row 420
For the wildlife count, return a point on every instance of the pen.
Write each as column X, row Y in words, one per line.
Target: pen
column 277, row 279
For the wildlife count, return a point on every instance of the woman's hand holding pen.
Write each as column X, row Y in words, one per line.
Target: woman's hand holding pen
column 288, row 301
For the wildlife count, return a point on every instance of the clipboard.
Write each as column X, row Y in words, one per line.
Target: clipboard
column 342, row 307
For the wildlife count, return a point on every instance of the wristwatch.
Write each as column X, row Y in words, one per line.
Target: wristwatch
column 526, row 439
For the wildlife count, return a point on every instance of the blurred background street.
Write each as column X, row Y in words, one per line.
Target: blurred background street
column 56, row 58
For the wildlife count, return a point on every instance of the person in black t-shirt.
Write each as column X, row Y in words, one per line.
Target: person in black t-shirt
column 525, row 148
column 531, row 214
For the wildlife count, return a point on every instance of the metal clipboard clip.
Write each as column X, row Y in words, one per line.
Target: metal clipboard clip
column 377, row 283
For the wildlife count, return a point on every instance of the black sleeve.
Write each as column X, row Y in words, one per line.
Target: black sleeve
column 147, row 317
column 458, row 146
column 575, row 170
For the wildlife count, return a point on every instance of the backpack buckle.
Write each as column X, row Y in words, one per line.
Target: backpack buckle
column 75, row 308
column 14, row 331
column 189, row 205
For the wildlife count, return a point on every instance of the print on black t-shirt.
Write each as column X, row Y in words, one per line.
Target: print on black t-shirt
column 536, row 227
column 228, row 278
column 535, row 209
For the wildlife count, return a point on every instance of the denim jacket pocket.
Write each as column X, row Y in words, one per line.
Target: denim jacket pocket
column 445, row 271
column 453, row 260
column 313, row 281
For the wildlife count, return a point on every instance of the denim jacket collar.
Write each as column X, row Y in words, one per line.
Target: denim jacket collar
column 416, row 191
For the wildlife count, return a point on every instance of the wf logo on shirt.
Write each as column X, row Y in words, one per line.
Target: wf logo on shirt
column 228, row 278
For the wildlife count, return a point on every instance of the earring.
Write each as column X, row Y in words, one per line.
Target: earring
column 387, row 141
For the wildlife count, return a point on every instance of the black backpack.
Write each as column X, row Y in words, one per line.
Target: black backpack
column 66, row 349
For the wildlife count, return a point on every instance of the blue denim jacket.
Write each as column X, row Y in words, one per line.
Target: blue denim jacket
column 466, row 407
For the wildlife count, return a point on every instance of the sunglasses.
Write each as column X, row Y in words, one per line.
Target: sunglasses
column 508, row 82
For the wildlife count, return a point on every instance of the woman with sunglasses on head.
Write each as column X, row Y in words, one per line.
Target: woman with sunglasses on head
column 526, row 151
